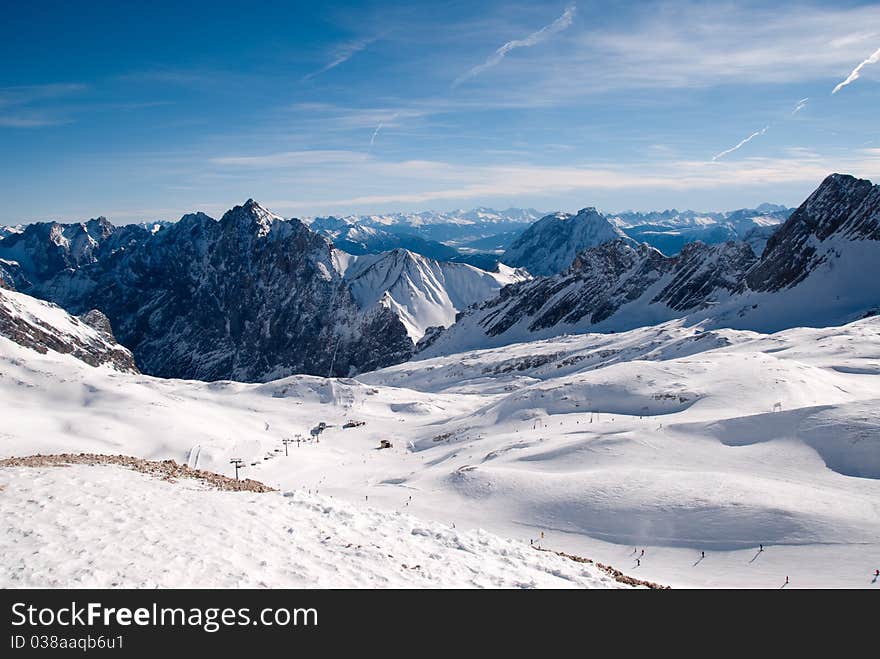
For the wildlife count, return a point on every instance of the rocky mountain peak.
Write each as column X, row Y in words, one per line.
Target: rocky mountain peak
column 550, row 245
column 842, row 207
column 250, row 217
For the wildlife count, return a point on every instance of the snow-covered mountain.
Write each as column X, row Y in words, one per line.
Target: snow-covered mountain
column 423, row 292
column 45, row 327
column 550, row 245
column 250, row 297
column 45, row 249
column 8, row 231
column 811, row 273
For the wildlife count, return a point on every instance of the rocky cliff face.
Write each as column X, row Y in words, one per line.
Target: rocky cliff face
column 42, row 326
column 249, row 297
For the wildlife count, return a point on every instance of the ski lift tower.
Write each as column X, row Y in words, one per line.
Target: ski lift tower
column 286, row 441
column 238, row 465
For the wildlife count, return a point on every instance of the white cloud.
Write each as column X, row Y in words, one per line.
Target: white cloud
column 417, row 183
column 857, row 72
column 757, row 133
column 534, row 38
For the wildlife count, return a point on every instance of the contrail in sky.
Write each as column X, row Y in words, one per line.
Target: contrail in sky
column 534, row 38
column 856, row 72
column 344, row 53
column 741, row 144
column 379, row 127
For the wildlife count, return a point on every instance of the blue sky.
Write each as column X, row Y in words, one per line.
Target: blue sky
column 148, row 110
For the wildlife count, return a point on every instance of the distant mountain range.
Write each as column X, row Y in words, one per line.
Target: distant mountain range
column 811, row 273
column 481, row 236
column 670, row 230
column 254, row 297
column 249, row 297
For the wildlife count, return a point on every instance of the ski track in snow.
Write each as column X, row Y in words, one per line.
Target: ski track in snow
column 667, row 438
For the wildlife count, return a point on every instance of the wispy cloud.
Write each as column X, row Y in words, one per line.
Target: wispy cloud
column 20, row 106
column 343, row 53
column 800, row 105
column 534, row 38
column 27, row 94
column 287, row 158
column 757, row 133
column 510, row 182
column 857, row 72
column 29, row 121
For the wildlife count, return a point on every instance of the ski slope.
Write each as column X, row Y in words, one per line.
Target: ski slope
column 177, row 535
column 671, row 439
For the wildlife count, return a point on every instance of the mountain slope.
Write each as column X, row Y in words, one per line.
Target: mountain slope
column 228, row 538
column 672, row 438
column 608, row 288
column 422, row 292
column 549, row 245
column 44, row 327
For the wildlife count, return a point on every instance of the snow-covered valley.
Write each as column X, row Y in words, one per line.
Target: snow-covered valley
column 670, row 439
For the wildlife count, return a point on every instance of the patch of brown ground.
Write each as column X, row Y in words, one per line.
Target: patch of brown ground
column 614, row 573
column 168, row 470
